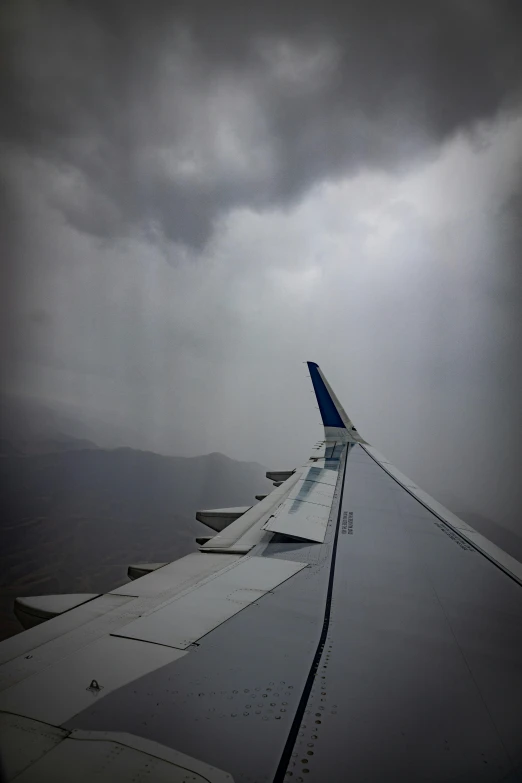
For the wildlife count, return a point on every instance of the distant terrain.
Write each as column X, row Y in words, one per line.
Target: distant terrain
column 73, row 515
column 33, row 426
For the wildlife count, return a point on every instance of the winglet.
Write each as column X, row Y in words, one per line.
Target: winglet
column 335, row 420
column 329, row 412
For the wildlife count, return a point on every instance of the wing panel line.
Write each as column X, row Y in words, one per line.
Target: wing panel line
column 299, row 714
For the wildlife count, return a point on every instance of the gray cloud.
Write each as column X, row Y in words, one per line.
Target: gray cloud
column 198, row 197
column 173, row 113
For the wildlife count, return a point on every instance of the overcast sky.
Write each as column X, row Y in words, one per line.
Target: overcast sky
column 198, row 197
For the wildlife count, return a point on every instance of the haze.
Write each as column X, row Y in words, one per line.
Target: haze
column 198, row 197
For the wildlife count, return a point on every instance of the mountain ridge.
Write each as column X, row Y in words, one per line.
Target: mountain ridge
column 73, row 520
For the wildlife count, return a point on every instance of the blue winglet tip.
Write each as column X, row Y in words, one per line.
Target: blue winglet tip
column 329, row 413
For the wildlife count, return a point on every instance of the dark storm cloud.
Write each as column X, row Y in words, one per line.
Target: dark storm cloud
column 326, row 88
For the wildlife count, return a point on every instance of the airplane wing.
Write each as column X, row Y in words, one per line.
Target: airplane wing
column 346, row 627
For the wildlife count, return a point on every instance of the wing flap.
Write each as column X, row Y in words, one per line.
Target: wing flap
column 35, row 609
column 246, row 531
column 59, row 627
column 176, row 576
column 313, row 492
column 306, row 510
column 94, row 755
column 219, row 518
column 95, row 670
column 300, row 519
column 69, row 633
column 194, row 614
